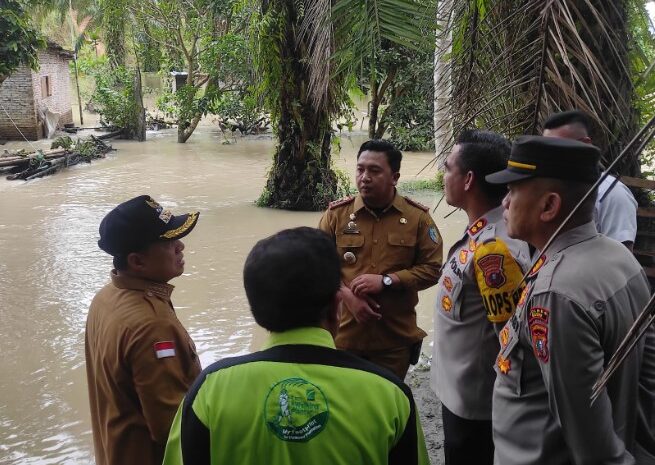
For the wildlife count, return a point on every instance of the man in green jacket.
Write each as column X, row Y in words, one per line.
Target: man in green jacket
column 299, row 400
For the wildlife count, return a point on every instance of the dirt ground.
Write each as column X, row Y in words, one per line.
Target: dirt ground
column 429, row 409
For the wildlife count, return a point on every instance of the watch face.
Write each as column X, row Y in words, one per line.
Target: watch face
column 387, row 280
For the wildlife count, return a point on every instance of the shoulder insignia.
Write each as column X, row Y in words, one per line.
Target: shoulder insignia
column 417, row 204
column 477, row 226
column 340, row 202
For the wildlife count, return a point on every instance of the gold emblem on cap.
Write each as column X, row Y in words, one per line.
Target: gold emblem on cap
column 403, row 221
column 349, row 258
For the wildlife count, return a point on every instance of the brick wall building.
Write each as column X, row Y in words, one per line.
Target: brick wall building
column 29, row 96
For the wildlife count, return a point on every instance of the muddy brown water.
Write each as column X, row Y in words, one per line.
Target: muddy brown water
column 51, row 267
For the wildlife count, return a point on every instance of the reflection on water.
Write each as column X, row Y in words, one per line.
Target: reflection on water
column 51, row 268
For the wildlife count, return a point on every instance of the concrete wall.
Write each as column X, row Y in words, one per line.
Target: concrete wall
column 17, row 99
column 21, row 96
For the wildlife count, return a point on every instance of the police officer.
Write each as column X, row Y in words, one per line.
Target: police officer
column 581, row 297
column 299, row 400
column 615, row 212
column 477, row 292
column 140, row 361
column 390, row 249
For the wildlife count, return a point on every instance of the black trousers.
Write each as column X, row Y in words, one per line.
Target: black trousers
column 467, row 442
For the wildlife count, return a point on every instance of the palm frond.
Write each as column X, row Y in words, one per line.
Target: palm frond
column 513, row 62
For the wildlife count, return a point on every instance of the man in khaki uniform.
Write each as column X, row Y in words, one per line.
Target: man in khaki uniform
column 140, row 361
column 390, row 249
column 477, row 293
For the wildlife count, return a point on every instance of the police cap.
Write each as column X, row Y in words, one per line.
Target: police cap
column 139, row 222
column 549, row 157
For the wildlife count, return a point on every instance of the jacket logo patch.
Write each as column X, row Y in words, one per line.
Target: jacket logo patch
column 447, row 303
column 296, row 410
column 538, row 322
column 504, row 364
column 463, row 256
column 448, row 284
column 492, row 267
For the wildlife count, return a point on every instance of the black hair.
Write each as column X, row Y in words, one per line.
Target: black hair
column 394, row 156
column 564, row 118
column 483, row 153
column 292, row 278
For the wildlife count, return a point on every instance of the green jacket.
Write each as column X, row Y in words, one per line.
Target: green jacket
column 297, row 401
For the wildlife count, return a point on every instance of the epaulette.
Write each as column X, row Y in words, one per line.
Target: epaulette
column 338, row 203
column 417, row 205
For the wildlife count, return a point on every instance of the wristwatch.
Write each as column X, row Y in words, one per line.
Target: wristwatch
column 387, row 281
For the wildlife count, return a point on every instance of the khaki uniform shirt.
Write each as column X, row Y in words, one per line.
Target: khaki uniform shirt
column 403, row 240
column 579, row 303
column 477, row 291
column 140, row 362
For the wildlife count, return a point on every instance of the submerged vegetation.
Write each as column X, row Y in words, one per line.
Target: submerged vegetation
column 424, row 70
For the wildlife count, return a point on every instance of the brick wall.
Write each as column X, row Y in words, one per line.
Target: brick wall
column 22, row 96
column 55, row 68
column 17, row 98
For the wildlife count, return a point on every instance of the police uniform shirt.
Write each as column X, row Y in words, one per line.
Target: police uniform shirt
column 140, row 362
column 477, row 291
column 404, row 240
column 297, row 401
column 615, row 212
column 579, row 303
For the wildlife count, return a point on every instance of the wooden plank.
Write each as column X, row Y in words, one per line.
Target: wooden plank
column 646, row 212
column 638, row 182
column 644, row 253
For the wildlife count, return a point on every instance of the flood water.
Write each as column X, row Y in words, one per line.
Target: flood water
column 51, row 267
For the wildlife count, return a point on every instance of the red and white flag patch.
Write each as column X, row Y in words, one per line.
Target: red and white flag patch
column 165, row 349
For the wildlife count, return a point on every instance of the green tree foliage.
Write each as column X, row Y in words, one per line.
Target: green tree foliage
column 201, row 38
column 114, row 95
column 20, row 40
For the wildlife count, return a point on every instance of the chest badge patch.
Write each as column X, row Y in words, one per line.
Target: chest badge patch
column 296, row 410
column 463, row 256
column 446, row 303
column 538, row 322
column 492, row 267
column 448, row 284
column 504, row 364
column 472, row 245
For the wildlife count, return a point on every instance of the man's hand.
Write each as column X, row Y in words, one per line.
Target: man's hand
column 367, row 284
column 363, row 309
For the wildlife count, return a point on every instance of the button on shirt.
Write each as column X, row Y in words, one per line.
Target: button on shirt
column 403, row 240
column 140, row 361
column 579, row 303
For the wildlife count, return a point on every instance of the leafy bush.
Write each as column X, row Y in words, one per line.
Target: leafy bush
column 114, row 96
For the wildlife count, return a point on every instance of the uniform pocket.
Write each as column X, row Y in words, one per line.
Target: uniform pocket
column 347, row 241
column 402, row 239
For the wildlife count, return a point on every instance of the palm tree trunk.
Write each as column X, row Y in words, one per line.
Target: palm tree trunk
column 443, row 130
column 301, row 177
